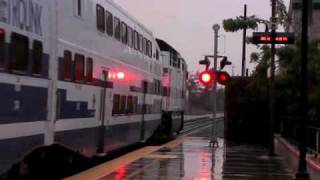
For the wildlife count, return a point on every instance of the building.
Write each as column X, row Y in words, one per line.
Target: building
column 295, row 12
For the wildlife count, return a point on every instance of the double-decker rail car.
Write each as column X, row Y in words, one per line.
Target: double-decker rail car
column 80, row 74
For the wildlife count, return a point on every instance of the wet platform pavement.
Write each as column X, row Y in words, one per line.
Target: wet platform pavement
column 191, row 158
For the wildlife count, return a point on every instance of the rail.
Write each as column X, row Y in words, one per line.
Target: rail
column 194, row 124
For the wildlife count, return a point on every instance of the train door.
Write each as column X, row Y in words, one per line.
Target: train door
column 101, row 135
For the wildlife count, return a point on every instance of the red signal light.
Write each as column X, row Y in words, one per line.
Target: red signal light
column 207, row 78
column 223, row 78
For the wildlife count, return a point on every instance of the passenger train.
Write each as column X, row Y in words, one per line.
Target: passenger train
column 83, row 75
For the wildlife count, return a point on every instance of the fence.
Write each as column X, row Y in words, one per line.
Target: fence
column 289, row 129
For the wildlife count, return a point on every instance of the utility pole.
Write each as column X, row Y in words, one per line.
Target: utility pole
column 302, row 173
column 244, row 45
column 271, row 82
column 213, row 140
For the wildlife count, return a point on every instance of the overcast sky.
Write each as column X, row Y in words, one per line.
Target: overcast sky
column 187, row 25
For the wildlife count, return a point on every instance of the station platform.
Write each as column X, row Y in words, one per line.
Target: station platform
column 190, row 157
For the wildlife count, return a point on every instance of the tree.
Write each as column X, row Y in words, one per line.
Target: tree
column 239, row 23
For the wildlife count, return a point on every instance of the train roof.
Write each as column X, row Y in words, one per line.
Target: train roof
column 125, row 13
column 164, row 46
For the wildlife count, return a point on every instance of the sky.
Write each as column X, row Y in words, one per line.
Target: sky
column 187, row 26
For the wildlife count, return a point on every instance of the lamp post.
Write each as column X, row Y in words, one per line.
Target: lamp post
column 213, row 141
column 243, row 69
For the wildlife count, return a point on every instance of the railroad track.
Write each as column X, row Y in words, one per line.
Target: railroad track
column 194, row 124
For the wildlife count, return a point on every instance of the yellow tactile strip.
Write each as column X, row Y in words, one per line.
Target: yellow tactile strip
column 110, row 166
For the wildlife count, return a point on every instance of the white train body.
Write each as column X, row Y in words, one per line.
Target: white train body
column 174, row 83
column 67, row 78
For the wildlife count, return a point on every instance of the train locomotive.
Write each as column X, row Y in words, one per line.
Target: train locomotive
column 84, row 75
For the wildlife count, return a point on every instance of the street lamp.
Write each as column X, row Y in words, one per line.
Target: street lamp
column 213, row 141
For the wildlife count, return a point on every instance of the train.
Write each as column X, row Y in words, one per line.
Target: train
column 83, row 75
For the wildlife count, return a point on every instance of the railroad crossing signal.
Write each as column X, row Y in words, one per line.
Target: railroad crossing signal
column 208, row 77
column 205, row 62
column 266, row 38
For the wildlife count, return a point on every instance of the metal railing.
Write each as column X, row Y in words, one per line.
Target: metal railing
column 289, row 129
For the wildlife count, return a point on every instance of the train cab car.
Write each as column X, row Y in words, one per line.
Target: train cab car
column 174, row 85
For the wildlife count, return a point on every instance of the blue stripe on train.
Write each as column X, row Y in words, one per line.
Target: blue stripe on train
column 72, row 109
column 22, row 104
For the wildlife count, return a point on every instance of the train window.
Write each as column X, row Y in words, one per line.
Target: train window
column 123, row 104
column 147, row 48
column 117, row 28
column 79, row 7
column 100, row 18
column 116, row 104
column 154, row 86
column 136, row 40
column 144, row 46
column 67, row 63
column 37, row 51
column 89, row 70
column 79, row 67
column 124, row 33
column 159, row 87
column 133, row 39
column 130, row 105
column 130, row 42
column 141, row 43
column 19, row 52
column 150, row 49
column 109, row 23
column 135, row 104
column 2, row 48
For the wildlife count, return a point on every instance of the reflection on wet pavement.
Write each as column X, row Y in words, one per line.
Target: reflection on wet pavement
column 193, row 159
column 190, row 160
